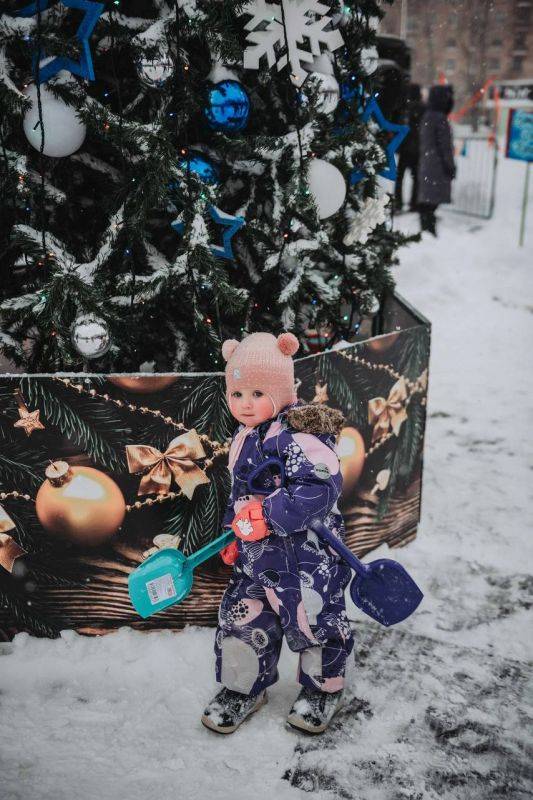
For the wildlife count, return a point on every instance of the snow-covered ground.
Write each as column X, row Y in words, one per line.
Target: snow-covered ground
column 437, row 708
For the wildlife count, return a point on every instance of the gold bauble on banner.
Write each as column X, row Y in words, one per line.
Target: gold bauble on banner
column 351, row 451
column 382, row 343
column 79, row 504
column 142, row 384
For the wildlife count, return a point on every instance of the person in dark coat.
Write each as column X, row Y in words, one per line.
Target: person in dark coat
column 409, row 148
column 436, row 165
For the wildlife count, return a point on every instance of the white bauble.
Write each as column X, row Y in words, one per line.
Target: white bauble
column 328, row 87
column 369, row 59
column 156, row 71
column 64, row 132
column 327, row 186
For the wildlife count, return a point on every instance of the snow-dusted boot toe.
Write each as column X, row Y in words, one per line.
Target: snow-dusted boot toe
column 228, row 709
column 313, row 710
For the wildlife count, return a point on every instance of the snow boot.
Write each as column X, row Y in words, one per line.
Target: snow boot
column 228, row 709
column 313, row 710
column 428, row 221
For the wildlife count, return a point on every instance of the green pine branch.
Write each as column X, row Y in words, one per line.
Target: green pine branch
column 93, row 425
column 194, row 520
column 205, row 408
column 351, row 386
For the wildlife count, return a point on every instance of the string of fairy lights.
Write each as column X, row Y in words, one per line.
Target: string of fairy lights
column 181, row 85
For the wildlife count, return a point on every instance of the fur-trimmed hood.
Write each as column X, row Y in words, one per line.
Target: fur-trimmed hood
column 315, row 418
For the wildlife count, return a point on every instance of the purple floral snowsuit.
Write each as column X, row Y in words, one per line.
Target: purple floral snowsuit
column 289, row 583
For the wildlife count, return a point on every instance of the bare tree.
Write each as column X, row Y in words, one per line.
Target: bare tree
column 473, row 42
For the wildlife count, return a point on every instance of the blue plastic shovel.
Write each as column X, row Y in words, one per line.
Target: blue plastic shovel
column 382, row 589
column 167, row 577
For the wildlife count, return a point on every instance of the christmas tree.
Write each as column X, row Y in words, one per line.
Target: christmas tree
column 176, row 173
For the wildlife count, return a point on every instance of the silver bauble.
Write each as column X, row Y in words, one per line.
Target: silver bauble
column 370, row 302
column 157, row 71
column 90, row 336
column 369, row 59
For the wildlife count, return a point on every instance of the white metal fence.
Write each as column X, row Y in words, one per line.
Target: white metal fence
column 473, row 187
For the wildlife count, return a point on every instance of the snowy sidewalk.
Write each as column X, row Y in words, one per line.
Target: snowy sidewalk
column 437, row 708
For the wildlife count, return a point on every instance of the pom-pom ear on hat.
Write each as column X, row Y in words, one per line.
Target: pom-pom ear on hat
column 288, row 343
column 228, row 348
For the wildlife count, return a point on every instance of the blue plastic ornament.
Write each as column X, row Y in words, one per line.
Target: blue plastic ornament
column 202, row 167
column 228, row 106
column 230, row 225
column 372, row 109
column 351, row 89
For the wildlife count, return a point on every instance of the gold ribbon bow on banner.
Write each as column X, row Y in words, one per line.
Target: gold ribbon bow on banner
column 390, row 413
column 9, row 549
column 176, row 462
column 6, row 523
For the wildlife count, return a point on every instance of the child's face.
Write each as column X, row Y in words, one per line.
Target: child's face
column 251, row 407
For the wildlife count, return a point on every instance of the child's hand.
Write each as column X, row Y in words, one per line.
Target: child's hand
column 249, row 524
column 230, row 553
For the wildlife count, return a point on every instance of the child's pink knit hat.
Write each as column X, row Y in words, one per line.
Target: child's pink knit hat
column 260, row 361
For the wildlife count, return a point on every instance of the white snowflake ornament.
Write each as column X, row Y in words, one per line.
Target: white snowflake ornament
column 369, row 217
column 305, row 23
column 322, row 64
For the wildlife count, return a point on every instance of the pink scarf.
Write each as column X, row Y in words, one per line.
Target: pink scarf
column 236, row 446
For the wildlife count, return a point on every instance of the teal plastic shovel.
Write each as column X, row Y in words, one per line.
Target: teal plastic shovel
column 167, row 577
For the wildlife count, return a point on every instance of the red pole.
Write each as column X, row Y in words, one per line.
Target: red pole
column 476, row 97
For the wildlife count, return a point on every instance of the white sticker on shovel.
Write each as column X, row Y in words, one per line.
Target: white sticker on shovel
column 161, row 589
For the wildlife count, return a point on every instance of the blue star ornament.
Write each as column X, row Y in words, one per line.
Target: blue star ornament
column 29, row 11
column 372, row 109
column 230, row 224
column 83, row 67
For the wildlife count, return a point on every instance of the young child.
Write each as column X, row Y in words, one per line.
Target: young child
column 285, row 582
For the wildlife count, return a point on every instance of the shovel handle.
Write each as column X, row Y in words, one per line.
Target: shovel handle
column 211, row 549
column 316, row 524
column 327, row 536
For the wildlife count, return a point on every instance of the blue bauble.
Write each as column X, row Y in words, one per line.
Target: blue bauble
column 351, row 90
column 228, row 106
column 202, row 167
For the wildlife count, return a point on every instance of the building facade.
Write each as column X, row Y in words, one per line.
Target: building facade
column 464, row 42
